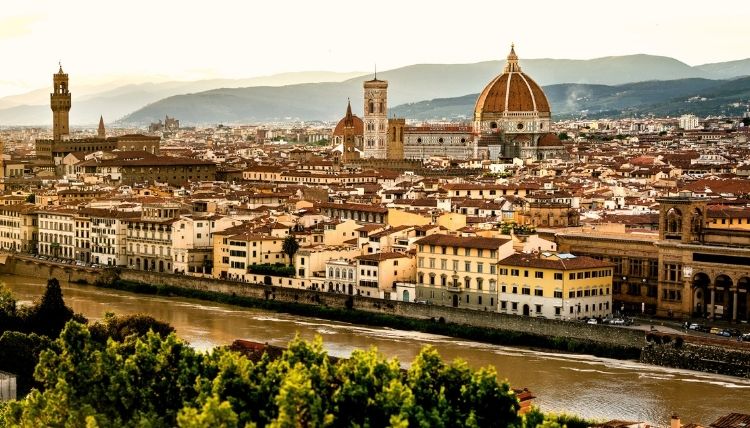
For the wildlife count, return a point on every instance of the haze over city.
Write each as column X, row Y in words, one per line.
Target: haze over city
column 142, row 41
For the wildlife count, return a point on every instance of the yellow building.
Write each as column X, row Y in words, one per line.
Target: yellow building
column 552, row 285
column 460, row 271
column 234, row 253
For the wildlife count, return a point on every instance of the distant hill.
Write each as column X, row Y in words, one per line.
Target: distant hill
column 726, row 70
column 294, row 96
column 114, row 102
column 430, row 81
column 663, row 98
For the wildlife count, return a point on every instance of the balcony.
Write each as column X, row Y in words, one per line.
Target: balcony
column 454, row 288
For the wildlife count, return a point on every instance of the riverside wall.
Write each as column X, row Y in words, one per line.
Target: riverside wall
column 715, row 357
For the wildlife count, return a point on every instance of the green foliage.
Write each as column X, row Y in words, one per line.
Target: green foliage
column 7, row 302
column 31, row 198
column 159, row 381
column 276, row 269
column 19, row 354
column 48, row 316
column 563, row 136
column 120, row 327
column 290, row 246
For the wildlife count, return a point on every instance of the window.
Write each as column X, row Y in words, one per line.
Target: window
column 432, row 263
column 443, row 264
column 514, row 306
column 480, row 267
column 558, row 294
column 526, row 291
column 526, row 273
column 558, row 276
column 539, row 275
column 492, row 269
column 467, row 266
column 514, row 272
column 571, row 276
column 503, row 305
column 539, row 309
column 420, row 262
column 455, row 265
column 557, row 311
column 539, row 292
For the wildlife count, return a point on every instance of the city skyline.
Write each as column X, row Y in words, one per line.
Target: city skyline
column 159, row 42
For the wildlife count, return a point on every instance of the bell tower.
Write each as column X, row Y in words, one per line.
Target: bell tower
column 376, row 119
column 60, row 105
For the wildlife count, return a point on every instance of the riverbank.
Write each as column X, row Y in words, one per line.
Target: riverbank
column 488, row 327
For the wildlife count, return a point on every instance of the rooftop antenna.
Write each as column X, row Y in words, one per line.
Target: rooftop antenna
column 376, row 71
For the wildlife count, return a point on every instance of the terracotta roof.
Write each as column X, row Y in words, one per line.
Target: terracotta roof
column 377, row 257
column 549, row 140
column 553, row 262
column 463, row 241
column 732, row 420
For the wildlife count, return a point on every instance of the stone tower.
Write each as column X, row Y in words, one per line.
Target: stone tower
column 396, row 138
column 60, row 104
column 376, row 119
column 101, row 133
column 348, row 152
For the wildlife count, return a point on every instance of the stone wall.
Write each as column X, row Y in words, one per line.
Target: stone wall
column 551, row 328
column 700, row 357
column 29, row 266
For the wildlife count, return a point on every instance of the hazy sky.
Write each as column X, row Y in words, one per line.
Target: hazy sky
column 136, row 40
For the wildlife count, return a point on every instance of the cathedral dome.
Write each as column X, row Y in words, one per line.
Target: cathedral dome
column 512, row 92
column 349, row 120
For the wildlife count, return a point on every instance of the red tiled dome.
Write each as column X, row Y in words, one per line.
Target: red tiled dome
column 359, row 126
column 549, row 140
column 512, row 91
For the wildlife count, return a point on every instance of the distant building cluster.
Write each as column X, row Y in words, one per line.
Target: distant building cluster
column 511, row 213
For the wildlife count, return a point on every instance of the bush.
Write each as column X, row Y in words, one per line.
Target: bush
column 277, row 269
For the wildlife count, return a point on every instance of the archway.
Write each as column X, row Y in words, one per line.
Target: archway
column 743, row 299
column 674, row 221
column 455, row 300
column 267, row 280
column 161, row 266
column 701, row 281
column 526, row 310
column 406, row 296
column 723, row 299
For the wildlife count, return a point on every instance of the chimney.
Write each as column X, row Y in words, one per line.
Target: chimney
column 675, row 422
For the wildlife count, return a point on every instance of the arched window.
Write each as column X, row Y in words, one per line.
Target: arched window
column 674, row 221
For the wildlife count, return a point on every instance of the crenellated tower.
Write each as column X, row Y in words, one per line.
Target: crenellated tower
column 60, row 105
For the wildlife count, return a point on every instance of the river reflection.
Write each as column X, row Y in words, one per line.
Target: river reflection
column 580, row 384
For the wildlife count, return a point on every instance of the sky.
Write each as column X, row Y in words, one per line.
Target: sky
column 136, row 40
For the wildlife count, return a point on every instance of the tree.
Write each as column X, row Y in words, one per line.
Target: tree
column 746, row 121
column 49, row 315
column 160, row 381
column 290, row 247
column 563, row 136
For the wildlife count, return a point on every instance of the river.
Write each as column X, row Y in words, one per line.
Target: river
column 580, row 384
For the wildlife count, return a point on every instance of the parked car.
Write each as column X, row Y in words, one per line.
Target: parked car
column 714, row 330
column 592, row 321
column 695, row 326
column 617, row 321
column 733, row 332
column 725, row 332
column 745, row 337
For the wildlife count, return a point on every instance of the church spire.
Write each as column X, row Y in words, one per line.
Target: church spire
column 512, row 64
column 101, row 133
column 349, row 118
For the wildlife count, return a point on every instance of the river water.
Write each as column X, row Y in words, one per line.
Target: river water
column 584, row 385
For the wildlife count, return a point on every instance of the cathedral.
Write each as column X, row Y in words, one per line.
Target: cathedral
column 512, row 119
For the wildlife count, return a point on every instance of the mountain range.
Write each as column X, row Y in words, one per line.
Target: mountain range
column 597, row 85
column 660, row 98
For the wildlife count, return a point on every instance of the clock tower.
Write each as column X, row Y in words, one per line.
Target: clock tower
column 376, row 119
column 60, row 105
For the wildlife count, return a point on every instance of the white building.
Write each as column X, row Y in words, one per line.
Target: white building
column 688, row 122
column 57, row 233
